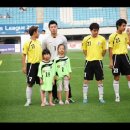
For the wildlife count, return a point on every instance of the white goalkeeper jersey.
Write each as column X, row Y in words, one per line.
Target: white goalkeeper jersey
column 52, row 43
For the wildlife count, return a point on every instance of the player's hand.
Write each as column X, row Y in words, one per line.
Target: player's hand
column 41, row 81
column 111, row 65
column 53, row 82
column 128, row 31
column 24, row 70
column 55, row 78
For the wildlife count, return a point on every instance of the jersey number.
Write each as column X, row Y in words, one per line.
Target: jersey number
column 47, row 74
column 62, row 69
column 89, row 43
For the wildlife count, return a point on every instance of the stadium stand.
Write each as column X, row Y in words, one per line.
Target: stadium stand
column 77, row 17
column 17, row 16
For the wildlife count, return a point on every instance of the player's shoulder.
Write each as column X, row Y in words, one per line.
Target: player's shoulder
column 27, row 41
column 66, row 57
column 61, row 36
column 112, row 35
column 101, row 37
column 87, row 37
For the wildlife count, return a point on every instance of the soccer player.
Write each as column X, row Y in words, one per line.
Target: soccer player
column 51, row 42
column 33, row 51
column 46, row 73
column 118, row 53
column 63, row 71
column 94, row 49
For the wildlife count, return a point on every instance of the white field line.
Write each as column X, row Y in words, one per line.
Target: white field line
column 16, row 71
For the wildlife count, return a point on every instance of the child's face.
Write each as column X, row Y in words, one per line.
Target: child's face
column 61, row 50
column 46, row 57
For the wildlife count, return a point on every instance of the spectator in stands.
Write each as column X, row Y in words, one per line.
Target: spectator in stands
column 118, row 53
column 94, row 48
column 43, row 32
column 51, row 42
column 26, row 32
column 33, row 51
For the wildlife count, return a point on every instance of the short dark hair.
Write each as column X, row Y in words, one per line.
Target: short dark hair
column 94, row 26
column 119, row 22
column 46, row 51
column 52, row 22
column 26, row 30
column 43, row 30
column 61, row 45
column 32, row 29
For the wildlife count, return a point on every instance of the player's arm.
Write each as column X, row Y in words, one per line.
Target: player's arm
column 65, row 43
column 128, row 33
column 110, row 51
column 24, row 63
column 39, row 74
column 69, row 68
column 84, row 47
column 44, row 44
column 104, row 47
column 24, row 54
column 85, row 53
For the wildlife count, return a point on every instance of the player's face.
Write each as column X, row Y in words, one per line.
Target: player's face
column 36, row 33
column 53, row 28
column 61, row 50
column 122, row 27
column 46, row 57
column 94, row 32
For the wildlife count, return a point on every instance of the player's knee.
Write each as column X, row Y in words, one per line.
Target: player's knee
column 66, row 88
column 59, row 88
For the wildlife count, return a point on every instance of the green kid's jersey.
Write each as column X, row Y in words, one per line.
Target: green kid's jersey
column 62, row 66
column 46, row 72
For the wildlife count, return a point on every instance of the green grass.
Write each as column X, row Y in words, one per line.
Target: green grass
column 12, row 96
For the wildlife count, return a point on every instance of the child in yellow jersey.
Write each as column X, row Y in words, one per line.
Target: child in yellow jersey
column 46, row 73
column 94, row 48
column 118, row 52
column 63, row 71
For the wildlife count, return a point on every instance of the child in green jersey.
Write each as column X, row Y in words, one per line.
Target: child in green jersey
column 63, row 71
column 46, row 73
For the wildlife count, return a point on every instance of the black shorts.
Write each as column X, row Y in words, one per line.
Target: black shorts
column 93, row 67
column 32, row 70
column 121, row 64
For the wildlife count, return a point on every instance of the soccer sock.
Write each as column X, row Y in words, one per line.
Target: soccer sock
column 85, row 91
column 100, row 90
column 116, row 87
column 29, row 93
column 129, row 84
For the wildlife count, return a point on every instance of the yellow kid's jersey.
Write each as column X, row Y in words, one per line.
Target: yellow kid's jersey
column 119, row 43
column 94, row 47
column 33, row 50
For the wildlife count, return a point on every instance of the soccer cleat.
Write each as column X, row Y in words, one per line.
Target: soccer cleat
column 85, row 101
column 67, row 102
column 51, row 104
column 56, row 100
column 101, row 101
column 117, row 99
column 27, row 104
column 61, row 102
column 43, row 104
column 71, row 100
column 46, row 103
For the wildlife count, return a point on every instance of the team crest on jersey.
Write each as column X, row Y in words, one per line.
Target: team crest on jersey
column 99, row 43
column 44, row 71
column 58, row 66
